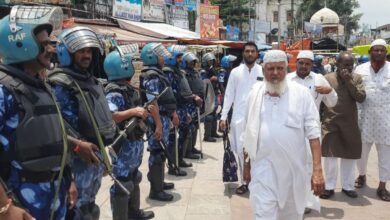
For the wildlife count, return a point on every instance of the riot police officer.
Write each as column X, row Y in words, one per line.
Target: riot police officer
column 125, row 104
column 82, row 99
column 209, row 72
column 223, row 75
column 33, row 152
column 152, row 80
column 197, row 87
column 184, row 96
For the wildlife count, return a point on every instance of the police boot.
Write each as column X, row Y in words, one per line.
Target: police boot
column 156, row 178
column 193, row 141
column 207, row 132
column 176, row 172
column 119, row 200
column 134, row 211
column 187, row 147
column 214, row 128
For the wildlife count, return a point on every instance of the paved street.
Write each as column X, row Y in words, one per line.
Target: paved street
column 202, row 196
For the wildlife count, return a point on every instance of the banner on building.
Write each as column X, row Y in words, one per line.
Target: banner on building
column 177, row 16
column 189, row 4
column 313, row 28
column 209, row 25
column 127, row 9
column 153, row 10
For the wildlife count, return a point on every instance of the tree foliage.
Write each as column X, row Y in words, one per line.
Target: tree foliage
column 344, row 8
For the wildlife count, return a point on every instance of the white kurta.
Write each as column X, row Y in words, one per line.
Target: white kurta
column 311, row 81
column 330, row 100
column 285, row 124
column 239, row 85
column 375, row 119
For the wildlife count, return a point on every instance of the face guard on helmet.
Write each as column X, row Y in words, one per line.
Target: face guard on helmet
column 176, row 51
column 227, row 61
column 119, row 63
column 18, row 31
column 74, row 39
column 150, row 53
column 206, row 58
column 188, row 57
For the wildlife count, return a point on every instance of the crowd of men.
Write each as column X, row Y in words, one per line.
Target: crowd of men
column 62, row 129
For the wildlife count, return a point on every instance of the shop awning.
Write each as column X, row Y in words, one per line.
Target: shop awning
column 157, row 30
column 123, row 36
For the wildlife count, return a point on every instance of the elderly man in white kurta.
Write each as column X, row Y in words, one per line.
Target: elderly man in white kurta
column 374, row 118
column 280, row 116
column 241, row 80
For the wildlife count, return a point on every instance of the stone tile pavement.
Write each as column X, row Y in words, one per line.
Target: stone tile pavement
column 202, row 196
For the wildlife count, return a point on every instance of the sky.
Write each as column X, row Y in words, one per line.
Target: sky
column 375, row 12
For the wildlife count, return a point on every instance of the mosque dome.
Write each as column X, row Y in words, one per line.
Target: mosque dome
column 325, row 16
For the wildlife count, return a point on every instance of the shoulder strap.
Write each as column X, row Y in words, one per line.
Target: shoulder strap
column 112, row 87
column 60, row 76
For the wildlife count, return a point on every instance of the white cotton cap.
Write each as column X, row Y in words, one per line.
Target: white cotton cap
column 306, row 54
column 379, row 42
column 273, row 56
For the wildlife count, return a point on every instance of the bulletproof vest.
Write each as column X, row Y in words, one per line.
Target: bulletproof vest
column 184, row 93
column 168, row 100
column 195, row 82
column 209, row 73
column 132, row 100
column 93, row 92
column 39, row 136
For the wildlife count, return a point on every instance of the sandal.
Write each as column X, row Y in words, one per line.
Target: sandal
column 360, row 182
column 242, row 189
column 383, row 194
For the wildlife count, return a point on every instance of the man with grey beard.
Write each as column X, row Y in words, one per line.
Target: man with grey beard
column 280, row 116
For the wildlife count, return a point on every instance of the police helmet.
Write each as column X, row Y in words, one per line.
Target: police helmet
column 175, row 50
column 206, row 57
column 261, row 56
column 188, row 57
column 74, row 39
column 18, row 30
column 227, row 61
column 318, row 59
column 151, row 51
column 364, row 59
column 119, row 63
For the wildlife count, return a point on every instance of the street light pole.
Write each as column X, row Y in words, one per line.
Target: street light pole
column 279, row 23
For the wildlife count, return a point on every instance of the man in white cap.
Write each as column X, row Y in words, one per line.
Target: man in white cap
column 280, row 116
column 374, row 118
column 319, row 87
column 320, row 90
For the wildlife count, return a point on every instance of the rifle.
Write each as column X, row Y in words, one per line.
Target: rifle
column 74, row 133
column 130, row 125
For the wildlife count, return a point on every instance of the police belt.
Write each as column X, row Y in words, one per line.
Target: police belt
column 38, row 177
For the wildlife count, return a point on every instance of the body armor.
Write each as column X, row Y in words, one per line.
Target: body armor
column 168, row 100
column 184, row 93
column 195, row 82
column 94, row 94
column 132, row 100
column 39, row 136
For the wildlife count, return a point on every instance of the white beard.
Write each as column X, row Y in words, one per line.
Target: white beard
column 274, row 87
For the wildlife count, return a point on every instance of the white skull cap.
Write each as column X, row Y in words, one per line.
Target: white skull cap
column 273, row 56
column 306, row 54
column 378, row 42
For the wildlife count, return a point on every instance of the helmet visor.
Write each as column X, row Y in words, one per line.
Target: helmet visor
column 161, row 51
